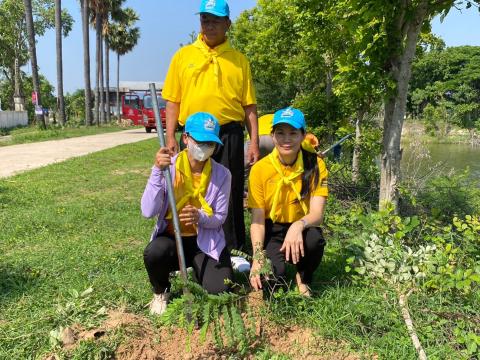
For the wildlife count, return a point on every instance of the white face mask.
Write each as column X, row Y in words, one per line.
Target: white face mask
column 200, row 152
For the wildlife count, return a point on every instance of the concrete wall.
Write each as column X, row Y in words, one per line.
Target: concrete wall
column 11, row 119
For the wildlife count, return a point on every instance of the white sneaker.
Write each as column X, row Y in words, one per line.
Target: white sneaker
column 240, row 264
column 159, row 303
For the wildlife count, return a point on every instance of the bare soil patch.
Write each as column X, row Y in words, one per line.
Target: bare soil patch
column 144, row 341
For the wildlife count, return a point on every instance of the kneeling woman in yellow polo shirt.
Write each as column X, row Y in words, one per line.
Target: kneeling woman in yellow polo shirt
column 202, row 190
column 287, row 196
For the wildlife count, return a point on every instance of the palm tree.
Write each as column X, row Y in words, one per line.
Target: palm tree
column 100, row 72
column 122, row 38
column 98, row 10
column 58, row 36
column 114, row 13
column 85, row 8
column 107, row 79
column 102, row 12
column 33, row 57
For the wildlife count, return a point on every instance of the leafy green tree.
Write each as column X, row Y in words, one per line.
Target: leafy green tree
column 7, row 90
column 293, row 47
column 266, row 35
column 447, row 79
column 75, row 106
column 297, row 47
column 386, row 36
column 14, row 37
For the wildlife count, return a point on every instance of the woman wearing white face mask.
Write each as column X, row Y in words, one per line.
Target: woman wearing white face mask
column 202, row 191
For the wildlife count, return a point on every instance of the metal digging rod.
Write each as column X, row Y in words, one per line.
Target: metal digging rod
column 345, row 138
column 171, row 197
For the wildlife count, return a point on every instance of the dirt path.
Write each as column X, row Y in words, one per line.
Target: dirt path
column 18, row 158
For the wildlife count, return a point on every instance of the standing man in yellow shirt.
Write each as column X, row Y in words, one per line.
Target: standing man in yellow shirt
column 210, row 76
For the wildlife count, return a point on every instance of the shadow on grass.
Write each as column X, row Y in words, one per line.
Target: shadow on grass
column 332, row 270
column 4, row 199
column 9, row 196
column 16, row 281
column 330, row 273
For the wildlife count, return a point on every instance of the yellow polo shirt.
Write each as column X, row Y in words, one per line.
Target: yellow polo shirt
column 218, row 81
column 262, row 184
column 265, row 124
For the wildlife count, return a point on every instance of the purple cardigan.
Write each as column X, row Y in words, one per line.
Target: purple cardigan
column 210, row 238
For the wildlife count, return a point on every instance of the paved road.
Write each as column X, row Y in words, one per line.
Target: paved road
column 18, row 158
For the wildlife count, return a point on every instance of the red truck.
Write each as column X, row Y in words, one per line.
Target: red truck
column 140, row 110
column 148, row 115
column 132, row 108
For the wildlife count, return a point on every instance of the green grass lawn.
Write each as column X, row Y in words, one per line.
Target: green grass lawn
column 77, row 225
column 33, row 134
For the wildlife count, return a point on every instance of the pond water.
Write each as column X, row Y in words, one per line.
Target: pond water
column 421, row 158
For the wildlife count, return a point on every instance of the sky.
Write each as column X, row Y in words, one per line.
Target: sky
column 165, row 24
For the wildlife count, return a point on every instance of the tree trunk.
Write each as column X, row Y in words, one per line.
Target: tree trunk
column 33, row 58
column 86, row 61
column 356, row 148
column 58, row 37
column 102, row 88
column 107, row 80
column 395, row 106
column 329, row 84
column 10, row 76
column 98, row 30
column 119, row 114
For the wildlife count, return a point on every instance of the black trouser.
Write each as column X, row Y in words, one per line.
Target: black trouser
column 160, row 258
column 313, row 245
column 231, row 156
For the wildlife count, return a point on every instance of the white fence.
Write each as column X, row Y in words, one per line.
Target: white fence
column 11, row 119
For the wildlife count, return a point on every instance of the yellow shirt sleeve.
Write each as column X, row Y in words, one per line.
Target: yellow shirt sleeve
column 322, row 187
column 265, row 124
column 249, row 97
column 256, row 193
column 172, row 90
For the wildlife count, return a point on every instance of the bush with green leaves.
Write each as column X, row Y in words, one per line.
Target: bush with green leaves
column 384, row 252
column 455, row 267
column 450, row 195
column 468, row 338
column 413, row 252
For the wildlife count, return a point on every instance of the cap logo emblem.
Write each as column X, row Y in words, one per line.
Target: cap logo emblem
column 210, row 4
column 209, row 125
column 287, row 113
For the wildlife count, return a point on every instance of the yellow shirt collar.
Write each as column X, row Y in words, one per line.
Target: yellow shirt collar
column 219, row 49
column 297, row 170
column 182, row 165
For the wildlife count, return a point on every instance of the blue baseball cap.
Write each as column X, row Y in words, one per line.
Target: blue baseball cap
column 290, row 116
column 203, row 127
column 215, row 7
